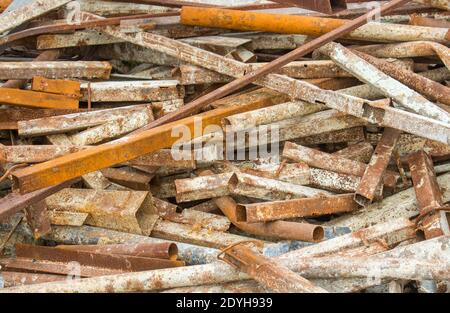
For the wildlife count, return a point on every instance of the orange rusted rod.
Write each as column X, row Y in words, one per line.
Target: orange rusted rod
column 244, row 20
column 128, row 148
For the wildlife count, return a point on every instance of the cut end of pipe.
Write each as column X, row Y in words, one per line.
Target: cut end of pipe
column 241, row 213
column 361, row 200
column 173, row 252
column 318, row 233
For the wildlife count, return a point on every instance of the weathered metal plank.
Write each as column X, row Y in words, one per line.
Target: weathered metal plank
column 375, row 170
column 275, row 113
column 34, row 154
column 35, row 99
column 306, row 207
column 63, row 87
column 197, row 236
column 130, row 211
column 427, row 87
column 37, row 219
column 402, row 204
column 129, row 178
column 75, row 121
column 106, row 8
column 14, row 18
column 268, row 272
column 55, row 69
column 10, row 116
column 433, row 218
column 361, row 152
column 79, row 38
column 331, row 162
column 390, row 87
column 408, row 50
column 132, row 91
column 112, row 129
column 199, row 219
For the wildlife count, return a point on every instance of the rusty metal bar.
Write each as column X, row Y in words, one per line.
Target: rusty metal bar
column 63, row 87
column 128, row 178
column 49, row 55
column 129, row 147
column 332, row 162
column 9, row 117
column 268, row 272
column 376, row 169
column 38, row 219
column 390, row 87
column 271, row 114
column 368, row 92
column 409, row 50
column 332, row 181
column 130, row 211
column 269, row 189
column 76, row 121
column 361, row 152
column 15, row 202
column 199, row 219
column 55, row 69
column 113, row 129
column 278, row 229
column 10, row 20
column 67, row 218
column 306, row 207
column 427, row 87
column 111, row 91
column 308, row 25
column 201, row 236
column 164, row 250
column 34, row 154
column 434, row 217
column 35, row 99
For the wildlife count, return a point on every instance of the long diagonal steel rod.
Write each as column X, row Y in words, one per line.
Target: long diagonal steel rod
column 79, row 163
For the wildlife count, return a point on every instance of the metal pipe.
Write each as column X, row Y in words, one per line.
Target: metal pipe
column 307, row 25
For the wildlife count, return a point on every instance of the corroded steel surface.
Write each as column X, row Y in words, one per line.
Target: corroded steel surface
column 433, row 220
column 270, row 211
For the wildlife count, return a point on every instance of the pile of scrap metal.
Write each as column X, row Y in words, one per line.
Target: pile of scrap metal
column 225, row 146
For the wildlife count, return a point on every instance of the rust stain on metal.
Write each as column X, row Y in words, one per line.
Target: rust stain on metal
column 433, row 219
